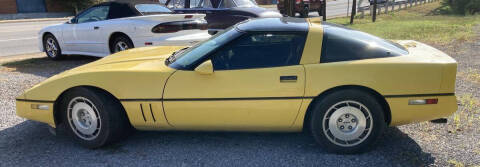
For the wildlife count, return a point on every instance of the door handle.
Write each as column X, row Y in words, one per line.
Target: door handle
column 96, row 28
column 290, row 78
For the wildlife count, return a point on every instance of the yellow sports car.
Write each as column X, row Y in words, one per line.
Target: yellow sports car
column 273, row 74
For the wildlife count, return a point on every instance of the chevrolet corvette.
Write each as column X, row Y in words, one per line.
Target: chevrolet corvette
column 273, row 74
column 111, row 27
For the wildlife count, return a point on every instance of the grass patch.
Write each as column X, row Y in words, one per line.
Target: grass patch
column 472, row 75
column 423, row 23
column 468, row 113
column 455, row 163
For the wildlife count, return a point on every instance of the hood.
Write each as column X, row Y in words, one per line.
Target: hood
column 133, row 57
column 132, row 70
column 260, row 12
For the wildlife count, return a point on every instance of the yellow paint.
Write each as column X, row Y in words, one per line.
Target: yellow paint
column 405, row 114
column 239, row 99
column 234, row 114
column 46, row 116
column 313, row 44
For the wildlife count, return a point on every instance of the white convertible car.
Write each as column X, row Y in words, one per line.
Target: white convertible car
column 112, row 26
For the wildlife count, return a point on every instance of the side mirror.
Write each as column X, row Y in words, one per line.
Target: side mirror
column 205, row 68
column 71, row 21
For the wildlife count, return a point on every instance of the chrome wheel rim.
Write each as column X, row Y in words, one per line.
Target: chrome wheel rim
column 51, row 47
column 347, row 123
column 84, row 118
column 121, row 46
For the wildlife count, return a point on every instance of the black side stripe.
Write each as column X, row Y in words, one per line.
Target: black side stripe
column 278, row 98
column 36, row 101
column 151, row 112
column 220, row 99
column 419, row 95
column 141, row 108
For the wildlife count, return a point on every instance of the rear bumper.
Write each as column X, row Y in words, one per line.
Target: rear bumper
column 403, row 113
column 29, row 109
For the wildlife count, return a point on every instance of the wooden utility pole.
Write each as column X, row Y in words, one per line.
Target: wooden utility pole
column 354, row 11
column 324, row 10
column 374, row 14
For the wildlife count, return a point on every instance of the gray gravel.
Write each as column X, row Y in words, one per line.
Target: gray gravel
column 28, row 143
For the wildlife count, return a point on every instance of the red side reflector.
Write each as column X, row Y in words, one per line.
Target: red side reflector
column 188, row 16
column 148, row 43
column 431, row 101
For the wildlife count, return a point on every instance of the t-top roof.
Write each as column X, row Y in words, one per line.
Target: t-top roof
column 274, row 24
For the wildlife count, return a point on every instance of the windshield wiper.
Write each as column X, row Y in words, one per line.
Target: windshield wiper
column 173, row 57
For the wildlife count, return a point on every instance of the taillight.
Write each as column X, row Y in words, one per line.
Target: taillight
column 188, row 16
column 176, row 26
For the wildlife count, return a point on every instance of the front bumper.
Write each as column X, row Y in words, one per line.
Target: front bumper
column 30, row 109
column 403, row 113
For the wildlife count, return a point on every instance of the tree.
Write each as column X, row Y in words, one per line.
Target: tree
column 77, row 5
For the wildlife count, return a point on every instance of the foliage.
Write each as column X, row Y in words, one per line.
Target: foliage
column 78, row 5
column 421, row 23
column 463, row 6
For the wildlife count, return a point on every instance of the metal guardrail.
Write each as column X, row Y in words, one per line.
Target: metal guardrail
column 391, row 4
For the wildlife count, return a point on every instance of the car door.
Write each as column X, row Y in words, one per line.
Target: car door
column 257, row 84
column 90, row 28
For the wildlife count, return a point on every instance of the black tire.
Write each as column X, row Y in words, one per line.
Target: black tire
column 112, row 123
column 304, row 13
column 54, row 53
column 324, row 111
column 123, row 41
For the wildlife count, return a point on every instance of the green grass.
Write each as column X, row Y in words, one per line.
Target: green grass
column 426, row 23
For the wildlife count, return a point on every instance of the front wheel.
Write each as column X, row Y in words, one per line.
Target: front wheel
column 347, row 121
column 94, row 118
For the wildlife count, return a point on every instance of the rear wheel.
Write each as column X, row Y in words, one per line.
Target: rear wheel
column 347, row 121
column 94, row 118
column 51, row 47
column 121, row 43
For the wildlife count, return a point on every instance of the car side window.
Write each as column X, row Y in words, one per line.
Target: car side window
column 98, row 13
column 227, row 4
column 207, row 4
column 195, row 3
column 260, row 50
column 176, row 4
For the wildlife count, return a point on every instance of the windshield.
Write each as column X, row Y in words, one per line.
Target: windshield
column 187, row 59
column 244, row 3
column 152, row 9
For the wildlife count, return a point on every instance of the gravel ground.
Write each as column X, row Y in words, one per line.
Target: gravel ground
column 28, row 143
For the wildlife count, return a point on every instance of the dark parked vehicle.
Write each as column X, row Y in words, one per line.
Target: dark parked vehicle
column 221, row 14
column 303, row 7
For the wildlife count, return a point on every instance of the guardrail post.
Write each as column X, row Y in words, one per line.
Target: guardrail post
column 410, row 3
column 363, row 12
column 386, row 6
column 393, row 6
column 379, row 9
column 374, row 14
